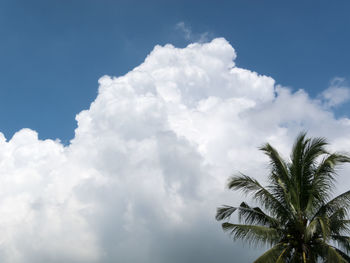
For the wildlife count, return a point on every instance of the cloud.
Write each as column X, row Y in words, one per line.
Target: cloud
column 337, row 94
column 147, row 167
column 184, row 29
column 189, row 35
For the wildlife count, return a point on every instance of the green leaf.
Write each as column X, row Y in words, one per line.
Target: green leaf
column 252, row 233
column 224, row 212
column 271, row 255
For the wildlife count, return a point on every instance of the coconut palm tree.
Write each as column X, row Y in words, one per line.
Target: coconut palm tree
column 300, row 219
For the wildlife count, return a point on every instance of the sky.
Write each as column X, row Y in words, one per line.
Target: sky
column 121, row 121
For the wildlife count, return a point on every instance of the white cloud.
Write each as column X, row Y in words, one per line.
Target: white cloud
column 337, row 94
column 147, row 168
column 189, row 35
column 184, row 29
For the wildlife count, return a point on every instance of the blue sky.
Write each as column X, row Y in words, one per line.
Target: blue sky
column 53, row 52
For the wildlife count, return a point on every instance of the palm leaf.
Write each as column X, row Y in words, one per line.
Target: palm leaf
column 345, row 256
column 272, row 255
column 333, row 256
column 323, row 181
column 340, row 201
column 255, row 216
column 260, row 194
column 252, row 234
column 224, row 212
column 342, row 241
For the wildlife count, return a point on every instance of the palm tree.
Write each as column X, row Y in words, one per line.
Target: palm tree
column 302, row 222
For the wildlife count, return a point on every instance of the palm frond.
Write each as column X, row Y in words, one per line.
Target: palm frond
column 246, row 184
column 313, row 149
column 278, row 165
column 338, row 202
column 252, row 234
column 338, row 223
column 311, row 229
column 251, row 186
column 333, row 256
column 344, row 255
column 254, row 215
column 224, row 212
column 324, row 176
column 279, row 178
column 343, row 242
column 325, row 227
column 272, row 255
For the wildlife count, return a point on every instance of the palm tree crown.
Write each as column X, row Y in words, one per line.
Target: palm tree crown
column 301, row 222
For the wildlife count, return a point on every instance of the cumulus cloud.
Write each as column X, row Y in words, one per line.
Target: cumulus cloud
column 147, row 167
